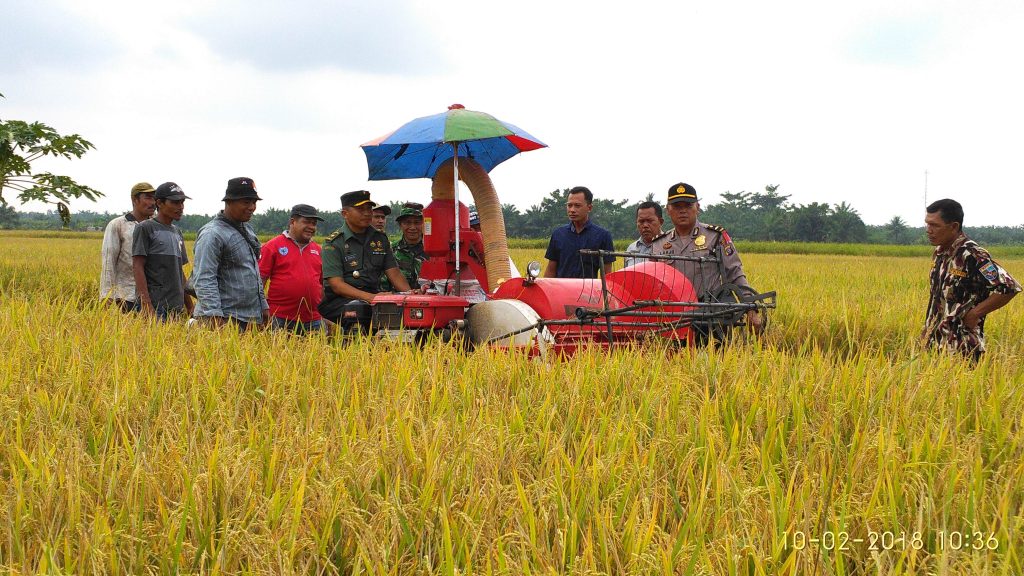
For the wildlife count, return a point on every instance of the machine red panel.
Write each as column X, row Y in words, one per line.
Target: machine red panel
column 415, row 311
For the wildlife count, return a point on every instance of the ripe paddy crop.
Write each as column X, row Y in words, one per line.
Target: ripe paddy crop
column 835, row 445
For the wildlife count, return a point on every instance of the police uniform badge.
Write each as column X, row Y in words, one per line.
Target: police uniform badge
column 700, row 241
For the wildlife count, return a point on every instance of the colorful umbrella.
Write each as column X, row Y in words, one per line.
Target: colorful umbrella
column 419, row 147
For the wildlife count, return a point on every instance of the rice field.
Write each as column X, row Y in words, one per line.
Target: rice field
column 834, row 445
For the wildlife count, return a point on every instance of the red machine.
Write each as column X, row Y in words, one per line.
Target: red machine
column 439, row 244
column 557, row 315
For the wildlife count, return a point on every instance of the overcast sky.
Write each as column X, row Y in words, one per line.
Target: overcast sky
column 836, row 102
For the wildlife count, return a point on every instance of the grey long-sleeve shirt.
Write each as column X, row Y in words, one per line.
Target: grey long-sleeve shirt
column 226, row 275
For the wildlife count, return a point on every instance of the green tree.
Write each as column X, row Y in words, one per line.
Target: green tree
column 810, row 222
column 896, row 230
column 22, row 143
column 845, row 225
column 8, row 218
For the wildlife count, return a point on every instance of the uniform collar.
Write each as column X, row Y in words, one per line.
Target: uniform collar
column 957, row 244
column 693, row 234
column 403, row 244
column 347, row 232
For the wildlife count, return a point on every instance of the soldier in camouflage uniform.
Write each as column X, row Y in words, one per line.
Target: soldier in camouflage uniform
column 966, row 284
column 689, row 237
column 409, row 248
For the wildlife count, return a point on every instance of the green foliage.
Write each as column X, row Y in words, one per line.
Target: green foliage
column 21, row 144
column 8, row 218
column 896, row 230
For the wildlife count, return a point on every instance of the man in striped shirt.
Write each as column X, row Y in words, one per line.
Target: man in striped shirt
column 226, row 276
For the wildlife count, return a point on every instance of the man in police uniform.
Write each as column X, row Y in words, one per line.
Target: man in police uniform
column 692, row 238
column 354, row 258
column 409, row 248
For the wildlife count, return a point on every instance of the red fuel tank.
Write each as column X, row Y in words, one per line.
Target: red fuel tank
column 439, row 226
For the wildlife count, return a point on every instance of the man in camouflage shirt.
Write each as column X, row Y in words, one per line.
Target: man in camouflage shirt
column 966, row 284
column 409, row 248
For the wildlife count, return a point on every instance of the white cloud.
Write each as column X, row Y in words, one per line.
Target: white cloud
column 822, row 99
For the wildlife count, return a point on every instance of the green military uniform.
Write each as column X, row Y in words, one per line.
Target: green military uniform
column 410, row 259
column 358, row 259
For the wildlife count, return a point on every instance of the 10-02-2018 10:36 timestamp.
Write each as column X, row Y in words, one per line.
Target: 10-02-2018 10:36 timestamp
column 891, row 540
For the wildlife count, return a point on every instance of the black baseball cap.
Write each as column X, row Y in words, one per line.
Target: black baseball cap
column 169, row 191
column 356, row 198
column 682, row 192
column 305, row 211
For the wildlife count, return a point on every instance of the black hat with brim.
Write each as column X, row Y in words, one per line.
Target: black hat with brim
column 682, row 192
column 356, row 198
column 241, row 188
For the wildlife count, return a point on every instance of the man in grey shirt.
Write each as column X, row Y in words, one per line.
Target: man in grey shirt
column 648, row 223
column 158, row 256
column 226, row 276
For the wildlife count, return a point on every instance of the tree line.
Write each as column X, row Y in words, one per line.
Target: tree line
column 751, row 216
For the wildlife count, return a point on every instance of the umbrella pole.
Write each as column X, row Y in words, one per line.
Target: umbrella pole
column 458, row 253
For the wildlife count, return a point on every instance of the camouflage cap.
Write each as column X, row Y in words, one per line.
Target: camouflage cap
column 410, row 209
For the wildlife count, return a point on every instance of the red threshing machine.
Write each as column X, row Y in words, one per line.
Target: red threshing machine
column 472, row 293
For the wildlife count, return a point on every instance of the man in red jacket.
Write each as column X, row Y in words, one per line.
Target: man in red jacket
column 291, row 262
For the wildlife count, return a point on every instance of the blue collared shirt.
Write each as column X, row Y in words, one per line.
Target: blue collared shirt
column 566, row 243
column 226, row 276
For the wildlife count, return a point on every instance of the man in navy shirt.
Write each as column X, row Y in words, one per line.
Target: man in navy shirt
column 563, row 254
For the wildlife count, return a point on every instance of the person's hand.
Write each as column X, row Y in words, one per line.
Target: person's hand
column 146, row 307
column 754, row 322
column 266, row 318
column 972, row 319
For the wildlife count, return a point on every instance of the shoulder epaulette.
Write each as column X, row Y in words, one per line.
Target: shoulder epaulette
column 660, row 236
column 714, row 227
column 333, row 235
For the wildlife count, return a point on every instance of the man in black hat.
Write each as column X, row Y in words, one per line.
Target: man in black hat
column 159, row 256
column 226, row 276
column 354, row 258
column 380, row 217
column 692, row 238
column 291, row 262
